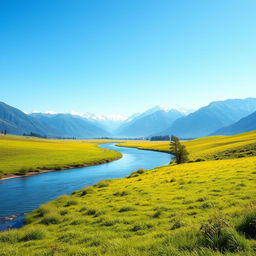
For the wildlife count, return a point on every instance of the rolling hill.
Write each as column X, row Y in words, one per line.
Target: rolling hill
column 194, row 209
column 206, row 148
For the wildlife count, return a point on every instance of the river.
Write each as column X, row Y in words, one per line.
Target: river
column 22, row 195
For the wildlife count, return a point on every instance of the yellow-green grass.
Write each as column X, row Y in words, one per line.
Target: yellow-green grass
column 208, row 148
column 151, row 213
column 22, row 154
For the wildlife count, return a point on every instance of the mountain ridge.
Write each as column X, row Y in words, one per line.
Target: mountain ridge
column 210, row 118
column 245, row 124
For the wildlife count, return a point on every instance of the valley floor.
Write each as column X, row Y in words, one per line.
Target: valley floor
column 200, row 208
column 21, row 156
column 207, row 148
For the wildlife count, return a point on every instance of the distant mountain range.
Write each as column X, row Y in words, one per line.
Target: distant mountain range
column 152, row 121
column 68, row 125
column 207, row 120
column 245, row 124
column 15, row 121
column 220, row 117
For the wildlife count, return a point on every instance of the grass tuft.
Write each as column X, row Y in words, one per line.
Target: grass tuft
column 247, row 225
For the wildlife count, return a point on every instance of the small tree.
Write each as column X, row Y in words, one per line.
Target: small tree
column 178, row 150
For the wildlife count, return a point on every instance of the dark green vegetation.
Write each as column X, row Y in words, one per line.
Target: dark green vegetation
column 242, row 151
column 178, row 150
column 194, row 209
column 208, row 148
column 160, row 138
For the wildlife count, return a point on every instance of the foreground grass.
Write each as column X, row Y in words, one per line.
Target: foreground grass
column 164, row 211
column 19, row 155
column 208, row 148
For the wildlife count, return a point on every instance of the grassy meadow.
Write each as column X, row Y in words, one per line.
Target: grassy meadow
column 207, row 148
column 203, row 208
column 20, row 155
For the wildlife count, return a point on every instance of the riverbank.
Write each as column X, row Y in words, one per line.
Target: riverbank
column 39, row 189
column 26, row 156
column 207, row 148
column 161, row 211
column 169, row 209
column 13, row 176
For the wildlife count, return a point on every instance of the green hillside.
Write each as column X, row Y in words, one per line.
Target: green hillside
column 207, row 148
column 19, row 155
column 199, row 209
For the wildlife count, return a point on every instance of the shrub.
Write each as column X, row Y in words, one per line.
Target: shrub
column 126, row 209
column 157, row 214
column 122, row 193
column 199, row 160
column 22, row 172
column 57, row 168
column 141, row 226
column 51, row 219
column 136, row 173
column 91, row 212
column 34, row 234
column 63, row 212
column 102, row 184
column 77, row 222
column 109, row 223
column 10, row 236
column 69, row 236
column 206, row 205
column 185, row 240
column 201, row 199
column 94, row 212
column 136, row 228
column 28, row 219
column 71, row 202
column 45, row 209
column 177, row 224
column 247, row 225
column 140, row 171
column 1, row 174
column 217, row 235
column 86, row 191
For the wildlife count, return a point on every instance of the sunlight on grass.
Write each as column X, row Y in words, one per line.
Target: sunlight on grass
column 208, row 148
column 165, row 211
column 204, row 208
column 20, row 155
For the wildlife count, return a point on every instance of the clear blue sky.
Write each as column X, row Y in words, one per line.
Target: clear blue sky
column 125, row 56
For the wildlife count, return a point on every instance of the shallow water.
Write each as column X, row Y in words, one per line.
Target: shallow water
column 22, row 195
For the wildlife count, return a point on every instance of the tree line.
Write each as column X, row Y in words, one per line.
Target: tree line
column 4, row 132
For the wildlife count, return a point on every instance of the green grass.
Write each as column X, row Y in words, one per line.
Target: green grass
column 20, row 155
column 203, row 208
column 208, row 148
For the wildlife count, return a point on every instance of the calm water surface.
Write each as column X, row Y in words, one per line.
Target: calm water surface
column 22, row 195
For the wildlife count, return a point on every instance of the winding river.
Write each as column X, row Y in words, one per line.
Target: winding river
column 22, row 195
